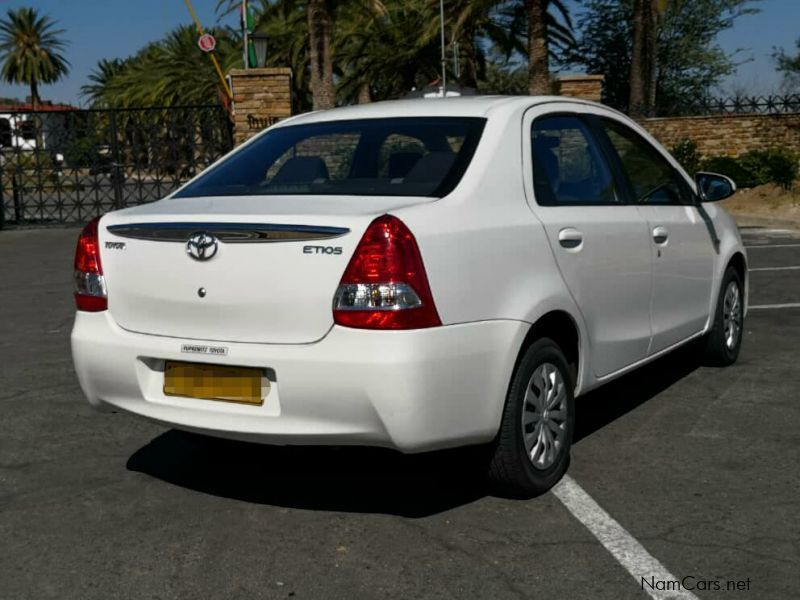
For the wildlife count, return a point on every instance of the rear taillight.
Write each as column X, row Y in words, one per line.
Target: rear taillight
column 90, row 285
column 385, row 285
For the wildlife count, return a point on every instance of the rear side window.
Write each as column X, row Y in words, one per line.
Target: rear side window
column 568, row 166
column 424, row 156
column 652, row 179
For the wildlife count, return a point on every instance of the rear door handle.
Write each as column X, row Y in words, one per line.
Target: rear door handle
column 570, row 238
column 660, row 235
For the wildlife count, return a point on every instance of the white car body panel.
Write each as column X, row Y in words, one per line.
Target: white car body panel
column 730, row 245
column 609, row 269
column 683, row 270
column 409, row 390
column 494, row 265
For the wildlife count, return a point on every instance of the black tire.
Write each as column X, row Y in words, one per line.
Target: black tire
column 511, row 470
column 717, row 352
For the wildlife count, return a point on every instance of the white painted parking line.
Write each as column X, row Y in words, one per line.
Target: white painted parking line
column 622, row 545
column 773, row 306
column 762, row 230
column 775, row 269
column 773, row 246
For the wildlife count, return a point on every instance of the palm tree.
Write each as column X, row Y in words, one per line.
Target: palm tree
column 169, row 72
column 472, row 22
column 30, row 50
column 542, row 26
column 321, row 16
column 101, row 78
column 317, row 29
column 286, row 26
column 385, row 55
column 320, row 26
column 507, row 24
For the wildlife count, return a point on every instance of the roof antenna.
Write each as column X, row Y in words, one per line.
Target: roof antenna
column 444, row 56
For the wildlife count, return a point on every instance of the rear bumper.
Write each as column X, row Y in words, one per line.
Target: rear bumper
column 409, row 390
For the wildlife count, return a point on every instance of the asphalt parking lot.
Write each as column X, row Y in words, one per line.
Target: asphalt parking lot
column 698, row 468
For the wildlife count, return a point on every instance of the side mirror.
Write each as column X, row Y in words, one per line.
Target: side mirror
column 714, row 187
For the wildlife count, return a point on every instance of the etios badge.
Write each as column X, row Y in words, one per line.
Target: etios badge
column 201, row 246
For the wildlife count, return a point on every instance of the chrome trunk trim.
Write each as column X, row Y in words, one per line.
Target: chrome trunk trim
column 232, row 233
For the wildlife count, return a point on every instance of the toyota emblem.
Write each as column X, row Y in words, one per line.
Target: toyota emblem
column 201, row 246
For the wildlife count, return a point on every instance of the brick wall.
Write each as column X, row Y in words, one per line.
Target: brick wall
column 263, row 96
column 728, row 135
column 588, row 87
column 260, row 98
column 715, row 135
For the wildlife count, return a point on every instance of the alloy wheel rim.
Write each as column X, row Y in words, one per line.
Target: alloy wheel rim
column 544, row 416
column 732, row 315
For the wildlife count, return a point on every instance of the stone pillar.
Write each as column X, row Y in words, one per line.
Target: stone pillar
column 586, row 87
column 261, row 97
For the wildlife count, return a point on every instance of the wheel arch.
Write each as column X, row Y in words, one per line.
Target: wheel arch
column 561, row 327
column 739, row 262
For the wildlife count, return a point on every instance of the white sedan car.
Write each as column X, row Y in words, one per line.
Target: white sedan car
column 417, row 274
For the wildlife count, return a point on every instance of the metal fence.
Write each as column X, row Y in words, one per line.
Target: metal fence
column 69, row 166
column 734, row 105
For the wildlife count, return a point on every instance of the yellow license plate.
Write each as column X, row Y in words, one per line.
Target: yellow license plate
column 215, row 382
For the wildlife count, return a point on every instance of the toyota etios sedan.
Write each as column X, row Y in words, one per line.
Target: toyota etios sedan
column 417, row 274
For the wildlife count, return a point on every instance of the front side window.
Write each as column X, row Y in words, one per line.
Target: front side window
column 415, row 156
column 653, row 180
column 568, row 167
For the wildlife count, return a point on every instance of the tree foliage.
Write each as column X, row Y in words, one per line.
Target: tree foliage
column 169, row 72
column 31, row 50
column 387, row 54
column 789, row 65
column 689, row 61
column 378, row 50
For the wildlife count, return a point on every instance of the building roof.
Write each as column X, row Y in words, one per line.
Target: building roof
column 28, row 107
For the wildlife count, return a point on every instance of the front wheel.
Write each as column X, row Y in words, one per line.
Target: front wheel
column 531, row 451
column 724, row 341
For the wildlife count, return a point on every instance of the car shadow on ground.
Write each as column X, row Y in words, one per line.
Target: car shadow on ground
column 602, row 406
column 371, row 480
column 347, row 479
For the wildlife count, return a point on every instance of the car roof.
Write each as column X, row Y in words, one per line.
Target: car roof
column 463, row 106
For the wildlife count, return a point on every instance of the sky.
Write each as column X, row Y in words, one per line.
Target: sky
column 99, row 29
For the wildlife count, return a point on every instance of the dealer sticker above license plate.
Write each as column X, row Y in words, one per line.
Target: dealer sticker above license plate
column 201, row 349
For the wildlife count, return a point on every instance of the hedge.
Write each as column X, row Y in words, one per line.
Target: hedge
column 756, row 167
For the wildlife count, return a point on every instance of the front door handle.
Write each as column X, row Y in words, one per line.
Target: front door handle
column 660, row 235
column 570, row 238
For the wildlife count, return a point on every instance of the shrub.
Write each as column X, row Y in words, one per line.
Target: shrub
column 757, row 167
column 685, row 152
column 81, row 152
column 776, row 165
column 726, row 165
column 26, row 161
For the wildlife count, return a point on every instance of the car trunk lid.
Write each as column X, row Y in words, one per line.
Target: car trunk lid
column 269, row 277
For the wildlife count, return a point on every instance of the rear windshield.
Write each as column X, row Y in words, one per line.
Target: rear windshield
column 383, row 157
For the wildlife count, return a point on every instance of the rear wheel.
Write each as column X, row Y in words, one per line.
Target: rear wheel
column 724, row 341
column 531, row 451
